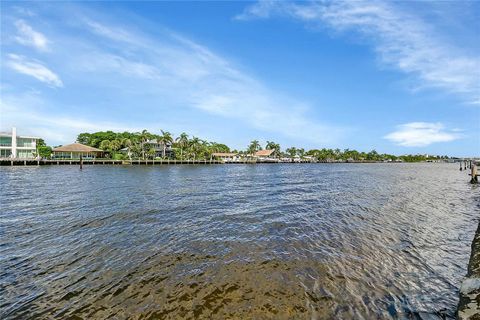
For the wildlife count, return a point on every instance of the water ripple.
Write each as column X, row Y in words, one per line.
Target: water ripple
column 236, row 241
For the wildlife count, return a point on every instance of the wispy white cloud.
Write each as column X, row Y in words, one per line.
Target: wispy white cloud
column 29, row 108
column 29, row 37
column 400, row 39
column 117, row 33
column 190, row 74
column 132, row 68
column 34, row 69
column 421, row 134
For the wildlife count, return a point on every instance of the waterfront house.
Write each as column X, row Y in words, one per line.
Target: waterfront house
column 158, row 147
column 268, row 155
column 226, row 156
column 155, row 145
column 18, row 147
column 75, row 150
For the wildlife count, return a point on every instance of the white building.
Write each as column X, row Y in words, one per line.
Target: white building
column 20, row 147
column 227, row 156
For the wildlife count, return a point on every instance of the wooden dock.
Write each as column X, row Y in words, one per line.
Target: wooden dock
column 472, row 166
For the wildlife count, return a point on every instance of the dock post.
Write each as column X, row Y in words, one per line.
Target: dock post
column 81, row 162
column 474, row 174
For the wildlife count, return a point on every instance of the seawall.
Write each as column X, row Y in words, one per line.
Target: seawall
column 469, row 305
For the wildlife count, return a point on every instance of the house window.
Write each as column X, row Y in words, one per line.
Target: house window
column 5, row 141
column 25, row 142
column 5, row 153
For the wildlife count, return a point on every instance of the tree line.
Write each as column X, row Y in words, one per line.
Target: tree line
column 337, row 154
column 193, row 148
column 137, row 143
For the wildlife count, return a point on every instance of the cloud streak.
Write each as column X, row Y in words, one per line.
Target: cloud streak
column 400, row 39
column 34, row 69
column 156, row 71
column 421, row 134
column 29, row 37
column 190, row 74
column 54, row 128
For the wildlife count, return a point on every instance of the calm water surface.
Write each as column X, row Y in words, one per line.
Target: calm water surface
column 319, row 241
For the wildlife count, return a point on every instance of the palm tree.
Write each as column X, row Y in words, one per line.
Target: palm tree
column 165, row 138
column 301, row 152
column 105, row 145
column 337, row 153
column 273, row 146
column 182, row 142
column 253, row 147
column 144, row 137
column 127, row 143
column 115, row 145
column 151, row 152
column 291, row 151
column 194, row 146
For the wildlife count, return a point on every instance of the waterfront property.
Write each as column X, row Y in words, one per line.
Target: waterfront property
column 75, row 150
column 17, row 147
column 226, row 156
column 158, row 147
column 266, row 155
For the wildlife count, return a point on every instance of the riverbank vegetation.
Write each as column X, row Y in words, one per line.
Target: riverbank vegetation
column 144, row 145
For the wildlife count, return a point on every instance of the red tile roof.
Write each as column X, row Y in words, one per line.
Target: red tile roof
column 76, row 147
column 264, row 153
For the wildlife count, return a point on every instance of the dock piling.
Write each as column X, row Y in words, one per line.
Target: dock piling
column 474, row 174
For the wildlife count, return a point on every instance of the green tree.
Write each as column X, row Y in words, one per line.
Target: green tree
column 151, row 153
column 84, row 138
column 182, row 142
column 143, row 137
column 194, row 146
column 301, row 152
column 273, row 146
column 105, row 146
column 43, row 151
column 373, row 156
column 165, row 138
column 115, row 145
column 292, row 151
column 253, row 147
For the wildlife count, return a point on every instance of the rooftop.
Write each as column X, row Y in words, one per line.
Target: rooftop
column 264, row 153
column 76, row 147
column 9, row 134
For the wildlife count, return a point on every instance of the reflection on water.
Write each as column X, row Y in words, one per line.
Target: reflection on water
column 303, row 241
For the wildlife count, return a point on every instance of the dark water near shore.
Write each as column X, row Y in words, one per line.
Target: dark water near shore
column 349, row 241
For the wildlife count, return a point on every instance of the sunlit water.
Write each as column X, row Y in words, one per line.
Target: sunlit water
column 292, row 241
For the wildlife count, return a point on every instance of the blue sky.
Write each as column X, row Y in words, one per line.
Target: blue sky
column 398, row 77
